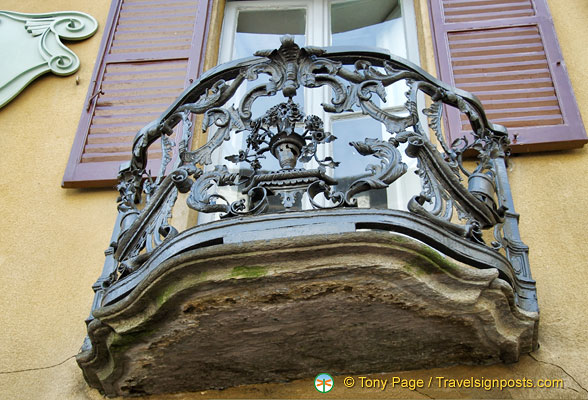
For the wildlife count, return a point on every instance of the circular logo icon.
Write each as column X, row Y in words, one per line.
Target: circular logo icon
column 324, row 383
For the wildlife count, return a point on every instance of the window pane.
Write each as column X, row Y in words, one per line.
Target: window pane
column 260, row 30
column 376, row 23
column 257, row 29
column 352, row 164
column 373, row 23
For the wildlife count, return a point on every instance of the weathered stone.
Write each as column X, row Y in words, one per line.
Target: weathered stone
column 285, row 309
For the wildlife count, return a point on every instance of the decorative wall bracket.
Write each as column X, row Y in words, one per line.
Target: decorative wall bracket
column 31, row 46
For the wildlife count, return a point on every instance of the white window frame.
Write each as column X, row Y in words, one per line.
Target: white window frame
column 317, row 26
column 317, row 33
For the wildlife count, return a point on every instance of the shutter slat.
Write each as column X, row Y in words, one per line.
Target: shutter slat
column 515, row 94
column 99, row 150
column 121, row 43
column 150, row 47
column 154, row 12
column 496, row 50
column 125, row 117
column 524, row 122
column 500, row 86
column 489, row 42
column 525, row 31
column 153, row 3
column 486, row 8
column 173, row 81
column 498, row 59
column 119, row 147
column 501, row 76
column 116, row 110
column 502, row 67
column 148, row 88
column 166, row 19
column 152, row 66
column 152, row 30
column 115, row 156
column 135, row 100
column 148, row 56
column 154, row 74
column 448, row 4
column 146, row 94
column 490, row 16
column 150, row 52
column 110, row 138
column 529, row 103
column 143, row 34
column 130, row 4
column 477, row 11
column 122, row 126
column 520, row 112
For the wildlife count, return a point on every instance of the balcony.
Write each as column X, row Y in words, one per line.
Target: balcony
column 290, row 260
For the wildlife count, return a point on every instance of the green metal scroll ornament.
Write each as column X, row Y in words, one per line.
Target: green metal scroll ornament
column 30, row 46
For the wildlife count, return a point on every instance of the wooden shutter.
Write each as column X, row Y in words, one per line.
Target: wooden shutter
column 506, row 52
column 151, row 50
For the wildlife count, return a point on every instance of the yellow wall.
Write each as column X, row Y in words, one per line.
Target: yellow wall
column 550, row 193
column 52, row 239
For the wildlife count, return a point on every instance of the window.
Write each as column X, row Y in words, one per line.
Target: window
column 256, row 25
column 505, row 53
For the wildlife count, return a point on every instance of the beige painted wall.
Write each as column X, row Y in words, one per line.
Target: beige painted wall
column 52, row 239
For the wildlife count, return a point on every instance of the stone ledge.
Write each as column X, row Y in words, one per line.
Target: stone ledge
column 284, row 309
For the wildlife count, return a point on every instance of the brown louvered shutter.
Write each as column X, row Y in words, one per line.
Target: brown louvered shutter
column 151, row 50
column 506, row 53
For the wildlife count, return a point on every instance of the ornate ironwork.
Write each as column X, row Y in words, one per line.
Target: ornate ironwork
column 277, row 157
column 462, row 203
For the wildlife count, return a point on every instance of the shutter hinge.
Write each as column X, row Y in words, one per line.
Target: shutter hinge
column 91, row 99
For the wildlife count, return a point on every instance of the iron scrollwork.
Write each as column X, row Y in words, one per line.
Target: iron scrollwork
column 292, row 138
column 460, row 201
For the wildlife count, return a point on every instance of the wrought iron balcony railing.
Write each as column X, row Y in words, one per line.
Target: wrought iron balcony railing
column 464, row 209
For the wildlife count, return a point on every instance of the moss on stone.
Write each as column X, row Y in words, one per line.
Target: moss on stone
column 166, row 294
column 400, row 239
column 248, row 272
column 416, row 269
column 439, row 259
column 178, row 286
column 122, row 343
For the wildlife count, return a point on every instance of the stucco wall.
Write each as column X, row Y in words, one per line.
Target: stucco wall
column 52, row 239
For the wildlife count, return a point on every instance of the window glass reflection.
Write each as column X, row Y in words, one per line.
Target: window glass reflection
column 261, row 30
column 374, row 23
column 352, row 164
